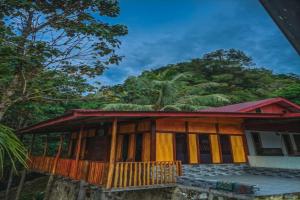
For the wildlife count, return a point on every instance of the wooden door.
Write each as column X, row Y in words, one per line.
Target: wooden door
column 125, row 146
column 138, row 147
column 96, row 148
column 204, row 149
column 181, row 147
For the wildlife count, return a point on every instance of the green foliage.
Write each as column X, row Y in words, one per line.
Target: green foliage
column 291, row 92
column 49, row 48
column 206, row 100
column 11, row 147
column 219, row 78
column 127, row 107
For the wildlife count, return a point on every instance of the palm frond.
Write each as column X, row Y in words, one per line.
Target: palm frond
column 127, row 107
column 11, row 147
column 205, row 100
column 183, row 107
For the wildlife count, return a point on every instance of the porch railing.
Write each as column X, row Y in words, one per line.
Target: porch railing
column 136, row 174
column 126, row 174
column 93, row 172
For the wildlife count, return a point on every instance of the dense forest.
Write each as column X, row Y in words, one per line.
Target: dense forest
column 51, row 50
column 216, row 79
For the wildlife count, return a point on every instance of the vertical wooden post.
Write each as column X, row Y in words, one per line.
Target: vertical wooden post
column 70, row 145
column 112, row 154
column 153, row 140
column 45, row 147
column 57, row 155
column 78, row 149
column 51, row 177
column 31, row 144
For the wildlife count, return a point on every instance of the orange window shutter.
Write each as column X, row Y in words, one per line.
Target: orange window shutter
column 193, row 151
column 215, row 148
column 238, row 149
column 164, row 147
column 146, row 147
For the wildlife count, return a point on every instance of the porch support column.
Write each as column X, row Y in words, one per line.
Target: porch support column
column 31, row 144
column 112, row 158
column 51, row 177
column 78, row 150
column 57, row 155
column 153, row 140
column 45, row 147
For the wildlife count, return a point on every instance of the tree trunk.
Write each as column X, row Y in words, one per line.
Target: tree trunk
column 6, row 100
column 11, row 174
column 82, row 190
column 49, row 186
column 21, row 184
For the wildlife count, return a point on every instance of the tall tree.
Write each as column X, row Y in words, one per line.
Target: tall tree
column 61, row 40
column 218, row 78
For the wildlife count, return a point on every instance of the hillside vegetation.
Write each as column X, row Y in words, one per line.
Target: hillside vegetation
column 218, row 78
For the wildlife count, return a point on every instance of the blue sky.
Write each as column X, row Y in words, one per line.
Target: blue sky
column 169, row 31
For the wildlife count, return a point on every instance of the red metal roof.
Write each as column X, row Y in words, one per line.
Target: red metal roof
column 78, row 117
column 75, row 117
column 252, row 105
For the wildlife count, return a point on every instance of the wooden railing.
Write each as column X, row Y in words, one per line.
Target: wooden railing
column 136, row 174
column 126, row 174
column 93, row 172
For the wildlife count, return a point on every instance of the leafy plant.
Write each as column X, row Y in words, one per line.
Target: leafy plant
column 11, row 147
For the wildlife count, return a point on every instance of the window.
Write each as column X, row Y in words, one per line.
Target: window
column 258, row 110
column 181, row 147
column 226, row 149
column 256, row 142
column 260, row 150
column 288, row 144
column 125, row 146
column 297, row 142
column 204, row 148
column 138, row 147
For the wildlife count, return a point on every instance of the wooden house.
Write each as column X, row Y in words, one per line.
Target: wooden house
column 135, row 149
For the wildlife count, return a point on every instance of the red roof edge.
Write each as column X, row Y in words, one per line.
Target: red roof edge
column 99, row 113
column 270, row 101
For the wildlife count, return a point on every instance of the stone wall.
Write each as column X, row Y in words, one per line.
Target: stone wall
column 215, row 169
column 236, row 169
column 192, row 185
column 66, row 189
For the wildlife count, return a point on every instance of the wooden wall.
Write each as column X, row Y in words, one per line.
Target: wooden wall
column 139, row 127
column 159, row 144
column 167, row 128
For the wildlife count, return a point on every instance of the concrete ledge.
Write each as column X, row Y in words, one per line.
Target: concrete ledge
column 281, row 162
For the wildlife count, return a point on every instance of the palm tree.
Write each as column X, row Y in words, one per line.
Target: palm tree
column 162, row 85
column 172, row 92
column 166, row 84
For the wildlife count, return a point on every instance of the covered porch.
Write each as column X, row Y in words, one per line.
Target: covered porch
column 94, row 149
column 274, row 143
column 137, row 149
column 125, row 174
